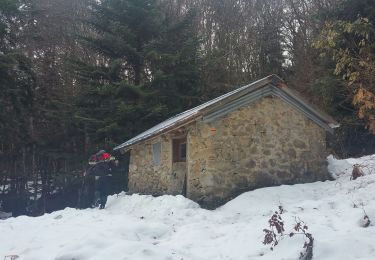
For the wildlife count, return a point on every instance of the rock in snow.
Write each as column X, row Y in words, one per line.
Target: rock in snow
column 173, row 227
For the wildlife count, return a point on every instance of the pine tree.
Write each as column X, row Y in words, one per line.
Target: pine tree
column 175, row 64
column 111, row 100
column 16, row 79
column 146, row 70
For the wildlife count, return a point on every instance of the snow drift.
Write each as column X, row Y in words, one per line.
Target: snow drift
column 173, row 227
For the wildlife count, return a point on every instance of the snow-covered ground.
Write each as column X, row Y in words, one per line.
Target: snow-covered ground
column 175, row 228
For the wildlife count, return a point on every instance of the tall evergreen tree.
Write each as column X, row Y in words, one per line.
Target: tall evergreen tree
column 17, row 85
column 113, row 84
column 16, row 79
column 175, row 62
column 146, row 69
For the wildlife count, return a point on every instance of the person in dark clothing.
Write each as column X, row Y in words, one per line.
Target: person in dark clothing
column 101, row 168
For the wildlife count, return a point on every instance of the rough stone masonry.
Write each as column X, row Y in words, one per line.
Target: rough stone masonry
column 266, row 143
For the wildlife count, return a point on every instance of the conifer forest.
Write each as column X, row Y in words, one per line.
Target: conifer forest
column 77, row 76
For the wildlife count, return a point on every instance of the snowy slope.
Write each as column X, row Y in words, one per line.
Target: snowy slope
column 142, row 227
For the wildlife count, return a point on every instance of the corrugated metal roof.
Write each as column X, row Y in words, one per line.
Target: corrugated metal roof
column 214, row 105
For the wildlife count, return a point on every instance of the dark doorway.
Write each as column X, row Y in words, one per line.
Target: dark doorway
column 179, row 149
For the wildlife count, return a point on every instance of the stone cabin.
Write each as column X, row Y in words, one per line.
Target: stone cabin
column 259, row 135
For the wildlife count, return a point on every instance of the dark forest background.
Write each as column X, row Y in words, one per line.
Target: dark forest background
column 77, row 76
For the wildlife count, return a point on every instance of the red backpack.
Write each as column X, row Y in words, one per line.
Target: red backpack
column 105, row 156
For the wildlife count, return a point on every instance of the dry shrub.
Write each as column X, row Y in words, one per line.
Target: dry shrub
column 357, row 172
column 275, row 233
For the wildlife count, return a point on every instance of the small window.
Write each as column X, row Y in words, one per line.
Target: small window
column 183, row 152
column 156, row 152
column 179, row 150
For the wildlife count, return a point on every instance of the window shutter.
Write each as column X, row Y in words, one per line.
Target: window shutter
column 156, row 151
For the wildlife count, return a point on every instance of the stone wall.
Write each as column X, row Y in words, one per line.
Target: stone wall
column 147, row 178
column 262, row 144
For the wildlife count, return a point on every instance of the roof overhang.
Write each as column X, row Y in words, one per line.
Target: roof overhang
column 285, row 94
column 220, row 106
